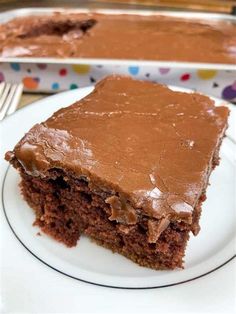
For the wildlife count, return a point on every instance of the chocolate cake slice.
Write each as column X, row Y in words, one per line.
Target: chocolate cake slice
column 128, row 166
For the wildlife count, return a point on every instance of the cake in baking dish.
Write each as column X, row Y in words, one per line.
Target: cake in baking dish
column 120, row 36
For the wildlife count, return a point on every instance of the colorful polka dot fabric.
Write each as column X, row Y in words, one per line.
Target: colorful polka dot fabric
column 54, row 77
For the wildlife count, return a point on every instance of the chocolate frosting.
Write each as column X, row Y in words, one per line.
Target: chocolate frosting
column 122, row 211
column 155, row 228
column 120, row 37
column 151, row 146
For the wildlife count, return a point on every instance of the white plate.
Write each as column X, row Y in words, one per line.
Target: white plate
column 209, row 251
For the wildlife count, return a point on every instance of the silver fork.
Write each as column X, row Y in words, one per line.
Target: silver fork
column 9, row 98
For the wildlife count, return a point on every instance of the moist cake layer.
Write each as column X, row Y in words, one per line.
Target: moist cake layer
column 66, row 207
column 131, row 158
column 120, row 37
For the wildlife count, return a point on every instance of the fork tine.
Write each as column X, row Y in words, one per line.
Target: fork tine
column 2, row 85
column 15, row 99
column 4, row 95
column 7, row 100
